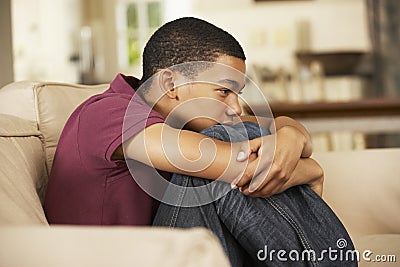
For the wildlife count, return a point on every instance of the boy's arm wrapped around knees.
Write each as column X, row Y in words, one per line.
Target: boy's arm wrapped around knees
column 290, row 164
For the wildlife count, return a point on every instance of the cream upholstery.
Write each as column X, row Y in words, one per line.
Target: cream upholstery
column 114, row 246
column 54, row 104
column 18, row 99
column 48, row 104
column 22, row 172
column 361, row 186
column 33, row 117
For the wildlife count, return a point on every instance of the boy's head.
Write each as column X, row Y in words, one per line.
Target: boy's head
column 186, row 40
column 200, row 70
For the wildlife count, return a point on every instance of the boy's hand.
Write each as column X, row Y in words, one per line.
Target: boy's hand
column 268, row 173
column 318, row 184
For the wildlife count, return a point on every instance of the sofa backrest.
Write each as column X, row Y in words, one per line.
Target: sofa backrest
column 48, row 104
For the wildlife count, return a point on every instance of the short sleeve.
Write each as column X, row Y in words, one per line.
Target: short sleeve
column 102, row 123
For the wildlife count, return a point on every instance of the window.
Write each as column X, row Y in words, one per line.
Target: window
column 136, row 21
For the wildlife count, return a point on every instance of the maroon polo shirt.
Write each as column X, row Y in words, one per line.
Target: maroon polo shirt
column 85, row 185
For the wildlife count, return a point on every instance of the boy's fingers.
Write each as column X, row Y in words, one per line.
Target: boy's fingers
column 245, row 190
column 255, row 145
column 247, row 174
column 258, row 181
column 246, row 150
column 271, row 188
column 261, row 177
column 251, row 146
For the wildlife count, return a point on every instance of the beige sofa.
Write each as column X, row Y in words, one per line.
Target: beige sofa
column 31, row 118
column 361, row 186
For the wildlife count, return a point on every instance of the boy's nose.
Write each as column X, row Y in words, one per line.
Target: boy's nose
column 234, row 108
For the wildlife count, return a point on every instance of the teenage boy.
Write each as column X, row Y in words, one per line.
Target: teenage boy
column 128, row 126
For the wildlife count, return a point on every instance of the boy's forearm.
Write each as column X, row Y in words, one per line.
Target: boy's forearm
column 283, row 121
column 188, row 153
column 224, row 165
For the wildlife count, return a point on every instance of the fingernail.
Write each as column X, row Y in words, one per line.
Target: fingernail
column 252, row 188
column 234, row 183
column 241, row 156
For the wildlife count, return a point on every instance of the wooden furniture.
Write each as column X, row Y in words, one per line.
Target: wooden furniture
column 369, row 115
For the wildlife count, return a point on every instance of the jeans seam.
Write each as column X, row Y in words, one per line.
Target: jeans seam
column 298, row 230
column 177, row 207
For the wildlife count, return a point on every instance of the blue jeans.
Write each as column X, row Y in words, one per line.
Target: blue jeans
column 253, row 230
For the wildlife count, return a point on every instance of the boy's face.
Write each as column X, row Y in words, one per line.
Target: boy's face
column 213, row 97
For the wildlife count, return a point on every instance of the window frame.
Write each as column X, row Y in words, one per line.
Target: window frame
column 143, row 30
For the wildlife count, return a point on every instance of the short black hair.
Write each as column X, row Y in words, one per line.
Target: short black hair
column 184, row 40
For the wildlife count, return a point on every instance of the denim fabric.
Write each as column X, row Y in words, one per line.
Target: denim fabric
column 296, row 221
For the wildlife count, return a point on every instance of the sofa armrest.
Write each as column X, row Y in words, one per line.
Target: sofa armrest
column 22, row 172
column 363, row 188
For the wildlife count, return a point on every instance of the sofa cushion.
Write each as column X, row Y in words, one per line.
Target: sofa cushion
column 54, row 103
column 363, row 188
column 22, row 172
column 378, row 250
column 17, row 99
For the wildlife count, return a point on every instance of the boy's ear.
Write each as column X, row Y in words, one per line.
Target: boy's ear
column 167, row 83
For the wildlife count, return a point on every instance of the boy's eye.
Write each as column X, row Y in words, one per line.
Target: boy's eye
column 225, row 91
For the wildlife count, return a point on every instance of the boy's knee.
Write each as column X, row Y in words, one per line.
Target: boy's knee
column 235, row 133
column 217, row 132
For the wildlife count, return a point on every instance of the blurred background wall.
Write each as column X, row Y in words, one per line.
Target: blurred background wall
column 6, row 54
column 331, row 64
column 46, row 33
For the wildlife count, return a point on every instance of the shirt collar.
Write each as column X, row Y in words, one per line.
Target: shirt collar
column 125, row 84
